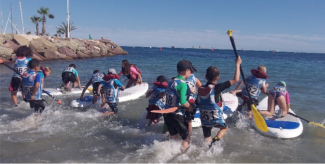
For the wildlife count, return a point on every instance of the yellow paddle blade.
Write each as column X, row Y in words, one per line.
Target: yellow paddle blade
column 317, row 124
column 259, row 120
column 90, row 89
column 229, row 32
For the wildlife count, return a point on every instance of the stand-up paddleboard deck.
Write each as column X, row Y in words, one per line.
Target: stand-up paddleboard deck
column 284, row 127
column 58, row 92
column 126, row 95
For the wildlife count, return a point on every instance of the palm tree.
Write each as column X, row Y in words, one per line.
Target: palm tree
column 36, row 19
column 64, row 28
column 45, row 13
column 59, row 32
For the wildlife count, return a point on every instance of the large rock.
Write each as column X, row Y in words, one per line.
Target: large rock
column 62, row 56
column 21, row 40
column 67, row 51
column 51, row 55
column 10, row 44
column 4, row 37
column 38, row 56
column 82, row 55
column 42, row 45
column 72, row 44
column 6, row 52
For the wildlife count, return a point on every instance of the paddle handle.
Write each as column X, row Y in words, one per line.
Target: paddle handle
column 299, row 117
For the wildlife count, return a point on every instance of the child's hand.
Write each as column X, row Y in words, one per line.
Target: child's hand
column 233, row 92
column 238, row 60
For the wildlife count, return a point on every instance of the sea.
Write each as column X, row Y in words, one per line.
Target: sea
column 64, row 134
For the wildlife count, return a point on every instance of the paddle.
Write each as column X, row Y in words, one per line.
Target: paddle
column 169, row 110
column 58, row 101
column 259, row 121
column 312, row 123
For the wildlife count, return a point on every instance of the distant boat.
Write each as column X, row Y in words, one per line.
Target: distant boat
column 212, row 49
column 173, row 46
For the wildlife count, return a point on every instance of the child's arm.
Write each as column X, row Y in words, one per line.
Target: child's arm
column 42, row 80
column 264, row 89
column 78, row 82
column 237, row 72
column 198, row 83
column 36, row 86
column 98, row 90
column 149, row 93
column 236, row 89
column 86, row 87
column 182, row 90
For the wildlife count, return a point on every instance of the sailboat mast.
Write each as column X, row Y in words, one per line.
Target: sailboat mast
column 21, row 15
column 12, row 29
column 68, row 19
column 1, row 23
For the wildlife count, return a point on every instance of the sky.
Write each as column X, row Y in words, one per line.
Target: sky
column 282, row 25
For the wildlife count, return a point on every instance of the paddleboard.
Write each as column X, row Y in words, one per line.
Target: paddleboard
column 284, row 127
column 126, row 95
column 58, row 92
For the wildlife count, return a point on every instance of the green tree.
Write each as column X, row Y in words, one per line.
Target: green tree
column 64, row 28
column 36, row 20
column 45, row 13
column 59, row 32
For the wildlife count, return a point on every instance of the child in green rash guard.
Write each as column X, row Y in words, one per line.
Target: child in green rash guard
column 176, row 94
column 211, row 104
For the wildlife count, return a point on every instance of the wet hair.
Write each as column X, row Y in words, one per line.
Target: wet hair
column 96, row 71
column 126, row 69
column 24, row 51
column 262, row 68
column 33, row 63
column 72, row 65
column 161, row 78
column 212, row 73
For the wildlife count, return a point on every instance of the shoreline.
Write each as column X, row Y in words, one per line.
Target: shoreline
column 47, row 48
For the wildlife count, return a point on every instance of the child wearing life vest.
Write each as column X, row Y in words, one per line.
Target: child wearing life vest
column 210, row 102
column 32, row 87
column 131, row 72
column 278, row 95
column 176, row 95
column 256, row 84
column 110, row 93
column 70, row 78
column 24, row 55
column 96, row 80
column 157, row 99
column 44, row 72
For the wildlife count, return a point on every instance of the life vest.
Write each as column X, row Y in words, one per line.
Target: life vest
column 70, row 69
column 191, row 83
column 28, row 81
column 97, row 77
column 42, row 70
column 111, row 91
column 111, row 76
column 279, row 88
column 259, row 74
column 132, row 65
column 254, row 85
column 172, row 97
column 155, row 98
column 21, row 66
column 210, row 113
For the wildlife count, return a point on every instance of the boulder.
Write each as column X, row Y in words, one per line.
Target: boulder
column 41, row 45
column 10, row 44
column 51, row 55
column 68, row 52
column 21, row 40
column 38, row 57
column 62, row 56
column 6, row 52
column 82, row 55
column 5, row 37
column 30, row 37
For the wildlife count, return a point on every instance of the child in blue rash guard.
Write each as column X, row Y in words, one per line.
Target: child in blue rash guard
column 32, row 86
column 176, row 95
column 110, row 93
column 96, row 80
column 70, row 75
column 157, row 99
column 24, row 55
column 44, row 72
column 211, row 104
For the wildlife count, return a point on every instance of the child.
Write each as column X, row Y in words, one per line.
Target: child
column 96, row 79
column 157, row 99
column 211, row 104
column 44, row 72
column 176, row 94
column 256, row 84
column 192, row 83
column 32, row 87
column 131, row 72
column 70, row 74
column 24, row 55
column 279, row 95
column 111, row 90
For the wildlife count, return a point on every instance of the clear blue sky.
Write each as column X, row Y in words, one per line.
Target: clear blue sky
column 285, row 25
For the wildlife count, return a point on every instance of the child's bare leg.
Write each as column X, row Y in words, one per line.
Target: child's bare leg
column 282, row 105
column 270, row 106
column 14, row 97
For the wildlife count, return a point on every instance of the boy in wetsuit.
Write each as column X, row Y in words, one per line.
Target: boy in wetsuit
column 32, row 87
column 176, row 94
column 70, row 75
column 23, row 57
column 96, row 80
column 110, row 93
column 211, row 104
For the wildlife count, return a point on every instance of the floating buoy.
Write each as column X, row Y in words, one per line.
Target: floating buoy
column 160, row 48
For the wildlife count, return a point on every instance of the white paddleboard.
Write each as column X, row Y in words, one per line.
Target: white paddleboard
column 126, row 95
column 58, row 92
column 284, row 127
column 231, row 104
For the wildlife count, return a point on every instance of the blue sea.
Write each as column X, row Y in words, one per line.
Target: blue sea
column 80, row 135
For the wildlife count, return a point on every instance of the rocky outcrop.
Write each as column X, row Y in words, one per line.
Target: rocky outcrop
column 55, row 48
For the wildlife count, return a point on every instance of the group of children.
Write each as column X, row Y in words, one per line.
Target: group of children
column 181, row 92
